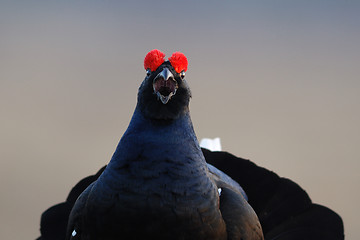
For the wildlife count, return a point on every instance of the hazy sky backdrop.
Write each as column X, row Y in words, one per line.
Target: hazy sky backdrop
column 278, row 81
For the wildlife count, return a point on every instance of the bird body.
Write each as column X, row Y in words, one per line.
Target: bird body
column 158, row 184
column 156, row 181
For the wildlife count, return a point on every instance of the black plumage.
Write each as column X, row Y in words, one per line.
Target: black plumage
column 158, row 184
column 285, row 210
column 54, row 220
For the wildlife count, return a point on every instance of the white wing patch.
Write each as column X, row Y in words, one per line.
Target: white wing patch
column 211, row 144
column 74, row 233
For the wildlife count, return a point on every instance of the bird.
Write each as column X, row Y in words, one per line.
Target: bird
column 157, row 184
column 266, row 205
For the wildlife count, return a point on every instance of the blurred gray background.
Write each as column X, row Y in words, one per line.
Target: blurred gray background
column 277, row 81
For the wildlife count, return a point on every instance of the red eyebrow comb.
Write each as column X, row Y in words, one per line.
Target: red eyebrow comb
column 179, row 62
column 153, row 59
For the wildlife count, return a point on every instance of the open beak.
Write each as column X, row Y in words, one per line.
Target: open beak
column 165, row 85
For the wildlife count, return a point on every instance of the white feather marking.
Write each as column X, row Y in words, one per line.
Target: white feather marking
column 74, row 233
column 219, row 190
column 211, row 144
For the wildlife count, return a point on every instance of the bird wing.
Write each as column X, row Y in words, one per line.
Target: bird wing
column 77, row 212
column 241, row 220
column 220, row 176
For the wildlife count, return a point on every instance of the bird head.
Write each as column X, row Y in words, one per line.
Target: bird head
column 164, row 93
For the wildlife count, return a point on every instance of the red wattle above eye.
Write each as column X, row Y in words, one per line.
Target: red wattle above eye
column 178, row 61
column 153, row 59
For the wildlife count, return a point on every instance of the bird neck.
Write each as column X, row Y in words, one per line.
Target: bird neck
column 172, row 129
column 153, row 139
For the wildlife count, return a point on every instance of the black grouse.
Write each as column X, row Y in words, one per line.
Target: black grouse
column 158, row 184
column 284, row 209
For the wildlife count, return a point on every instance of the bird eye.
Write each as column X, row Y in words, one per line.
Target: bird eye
column 182, row 74
column 148, row 72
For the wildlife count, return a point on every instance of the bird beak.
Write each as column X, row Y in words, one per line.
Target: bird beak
column 165, row 85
